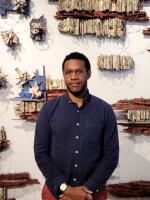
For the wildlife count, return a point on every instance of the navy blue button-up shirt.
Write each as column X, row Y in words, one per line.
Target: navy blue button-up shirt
column 76, row 145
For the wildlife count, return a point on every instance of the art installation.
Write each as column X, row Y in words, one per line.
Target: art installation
column 114, row 62
column 137, row 115
column 3, row 139
column 130, row 189
column 38, row 29
column 35, row 91
column 10, row 38
column 100, row 5
column 12, row 180
column 20, row 6
column 109, row 27
column 16, row 180
column 102, row 17
column 128, row 9
column 33, row 88
column 3, row 79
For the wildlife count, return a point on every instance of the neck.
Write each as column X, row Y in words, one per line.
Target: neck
column 77, row 98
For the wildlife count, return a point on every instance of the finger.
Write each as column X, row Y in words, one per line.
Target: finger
column 60, row 196
column 85, row 189
column 89, row 197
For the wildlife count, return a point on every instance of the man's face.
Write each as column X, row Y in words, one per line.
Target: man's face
column 76, row 76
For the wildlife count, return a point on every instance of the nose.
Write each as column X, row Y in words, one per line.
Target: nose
column 74, row 75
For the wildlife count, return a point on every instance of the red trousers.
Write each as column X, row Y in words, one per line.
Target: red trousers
column 46, row 194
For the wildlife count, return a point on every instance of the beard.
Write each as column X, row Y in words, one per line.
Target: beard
column 80, row 92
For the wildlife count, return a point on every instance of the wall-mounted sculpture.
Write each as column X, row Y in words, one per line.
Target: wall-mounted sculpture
column 114, row 62
column 3, row 139
column 109, row 27
column 130, row 189
column 137, row 115
column 127, row 9
column 19, row 6
column 38, row 29
column 14, row 180
column 33, row 87
column 10, row 38
column 35, row 91
column 99, row 17
column 3, row 79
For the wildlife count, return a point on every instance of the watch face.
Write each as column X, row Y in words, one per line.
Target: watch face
column 63, row 186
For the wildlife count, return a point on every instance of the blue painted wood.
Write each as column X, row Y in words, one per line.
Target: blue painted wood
column 8, row 5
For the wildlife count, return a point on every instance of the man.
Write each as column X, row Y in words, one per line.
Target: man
column 76, row 140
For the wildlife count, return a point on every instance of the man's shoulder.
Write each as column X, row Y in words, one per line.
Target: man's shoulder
column 98, row 100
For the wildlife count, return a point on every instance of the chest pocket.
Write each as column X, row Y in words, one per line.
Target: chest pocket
column 94, row 134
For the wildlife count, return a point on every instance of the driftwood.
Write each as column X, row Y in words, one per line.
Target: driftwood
column 133, row 104
column 38, row 29
column 3, row 79
column 10, row 38
column 140, row 16
column 51, row 94
column 114, row 62
column 15, row 180
column 109, row 27
column 146, row 31
column 3, row 139
column 100, row 5
column 130, row 189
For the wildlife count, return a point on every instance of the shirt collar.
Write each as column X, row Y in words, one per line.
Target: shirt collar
column 86, row 99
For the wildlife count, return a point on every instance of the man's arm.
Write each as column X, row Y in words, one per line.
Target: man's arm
column 42, row 146
column 110, row 157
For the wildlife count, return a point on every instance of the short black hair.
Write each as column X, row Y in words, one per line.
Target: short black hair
column 79, row 56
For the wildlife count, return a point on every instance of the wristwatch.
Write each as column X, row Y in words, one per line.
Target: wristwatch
column 63, row 187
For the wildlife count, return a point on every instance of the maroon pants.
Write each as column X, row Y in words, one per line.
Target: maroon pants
column 46, row 194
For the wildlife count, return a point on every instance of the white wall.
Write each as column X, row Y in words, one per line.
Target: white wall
column 134, row 161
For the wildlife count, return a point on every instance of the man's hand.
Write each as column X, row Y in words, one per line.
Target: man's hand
column 76, row 193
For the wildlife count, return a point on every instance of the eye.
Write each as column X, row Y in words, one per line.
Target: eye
column 79, row 71
column 68, row 72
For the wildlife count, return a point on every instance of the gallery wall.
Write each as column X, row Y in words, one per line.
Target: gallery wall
column 134, row 162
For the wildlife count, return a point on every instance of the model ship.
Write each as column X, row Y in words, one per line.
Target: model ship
column 137, row 115
column 3, row 140
column 130, row 189
column 35, row 92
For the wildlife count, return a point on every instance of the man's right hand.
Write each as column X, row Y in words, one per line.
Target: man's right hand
column 76, row 193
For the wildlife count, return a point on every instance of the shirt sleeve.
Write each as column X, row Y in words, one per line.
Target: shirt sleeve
column 109, row 162
column 42, row 146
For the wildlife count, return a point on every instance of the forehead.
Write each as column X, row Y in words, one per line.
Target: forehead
column 74, row 64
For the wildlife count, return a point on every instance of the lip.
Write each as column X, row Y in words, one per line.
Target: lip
column 74, row 84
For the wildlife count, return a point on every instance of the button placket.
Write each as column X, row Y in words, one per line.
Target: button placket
column 76, row 149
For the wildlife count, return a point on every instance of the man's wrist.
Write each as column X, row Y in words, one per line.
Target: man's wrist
column 63, row 187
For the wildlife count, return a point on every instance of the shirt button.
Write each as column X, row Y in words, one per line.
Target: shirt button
column 74, row 179
column 97, row 190
column 77, row 137
column 77, row 110
column 77, row 124
column 76, row 151
column 76, row 165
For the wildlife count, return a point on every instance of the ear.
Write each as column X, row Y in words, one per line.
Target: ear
column 88, row 74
